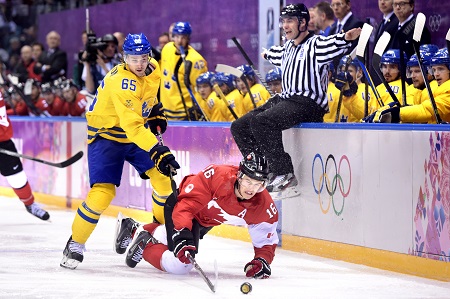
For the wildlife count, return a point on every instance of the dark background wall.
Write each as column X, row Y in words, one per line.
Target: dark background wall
column 213, row 23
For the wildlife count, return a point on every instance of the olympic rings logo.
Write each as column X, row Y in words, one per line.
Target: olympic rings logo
column 332, row 181
column 435, row 22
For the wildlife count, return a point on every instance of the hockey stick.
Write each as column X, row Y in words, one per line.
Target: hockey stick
column 26, row 99
column 376, row 59
column 447, row 38
column 197, row 267
column 418, row 29
column 237, row 73
column 360, row 50
column 187, row 83
column 62, row 164
column 169, row 205
column 224, row 99
column 350, row 58
column 249, row 61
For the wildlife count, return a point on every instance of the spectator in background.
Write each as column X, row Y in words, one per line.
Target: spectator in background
column 37, row 50
column 324, row 17
column 404, row 10
column 120, row 39
column 170, row 31
column 342, row 10
column 52, row 63
column 78, row 67
column 14, row 47
column 25, row 68
column 120, row 36
column 389, row 23
column 163, row 39
column 312, row 25
column 95, row 71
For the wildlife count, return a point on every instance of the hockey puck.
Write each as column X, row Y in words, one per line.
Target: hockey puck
column 246, row 288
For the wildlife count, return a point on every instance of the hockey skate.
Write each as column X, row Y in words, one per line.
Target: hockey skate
column 283, row 187
column 125, row 229
column 134, row 254
column 73, row 254
column 37, row 211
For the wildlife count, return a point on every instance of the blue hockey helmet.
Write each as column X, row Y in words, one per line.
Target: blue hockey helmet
column 343, row 61
column 273, row 75
column 247, row 70
column 221, row 78
column 136, row 44
column 441, row 57
column 205, row 78
column 392, row 56
column 254, row 166
column 182, row 28
column 426, row 53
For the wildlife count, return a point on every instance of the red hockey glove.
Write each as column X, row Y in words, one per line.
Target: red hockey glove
column 257, row 268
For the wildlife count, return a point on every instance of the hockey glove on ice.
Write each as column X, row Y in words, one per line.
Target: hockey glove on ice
column 163, row 159
column 257, row 268
column 183, row 241
column 344, row 81
column 157, row 118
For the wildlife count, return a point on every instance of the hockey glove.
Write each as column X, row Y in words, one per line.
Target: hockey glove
column 257, row 268
column 389, row 113
column 163, row 159
column 183, row 241
column 344, row 81
column 156, row 119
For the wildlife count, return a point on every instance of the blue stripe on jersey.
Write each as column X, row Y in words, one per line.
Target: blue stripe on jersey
column 87, row 218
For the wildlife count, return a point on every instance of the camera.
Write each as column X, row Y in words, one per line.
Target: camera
column 92, row 45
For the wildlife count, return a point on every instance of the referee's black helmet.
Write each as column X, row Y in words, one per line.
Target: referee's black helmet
column 298, row 10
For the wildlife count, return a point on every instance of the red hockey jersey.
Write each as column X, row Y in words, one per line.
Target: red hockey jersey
column 209, row 198
column 6, row 131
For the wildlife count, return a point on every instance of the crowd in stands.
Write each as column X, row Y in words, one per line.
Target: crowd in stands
column 217, row 96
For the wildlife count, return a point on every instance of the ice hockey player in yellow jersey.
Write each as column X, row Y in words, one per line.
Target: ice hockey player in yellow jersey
column 174, row 93
column 122, row 122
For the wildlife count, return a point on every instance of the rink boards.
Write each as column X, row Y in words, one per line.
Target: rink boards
column 374, row 194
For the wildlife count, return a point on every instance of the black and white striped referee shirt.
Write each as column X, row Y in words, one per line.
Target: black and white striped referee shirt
column 305, row 67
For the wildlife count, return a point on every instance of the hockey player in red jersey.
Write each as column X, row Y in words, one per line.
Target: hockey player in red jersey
column 218, row 194
column 11, row 167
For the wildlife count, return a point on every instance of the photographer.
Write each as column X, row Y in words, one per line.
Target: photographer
column 98, row 59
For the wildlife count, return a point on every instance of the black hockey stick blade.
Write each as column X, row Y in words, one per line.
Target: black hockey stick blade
column 376, row 59
column 197, row 267
column 63, row 164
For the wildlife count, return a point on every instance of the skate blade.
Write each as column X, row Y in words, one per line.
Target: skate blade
column 69, row 263
column 116, row 234
column 289, row 192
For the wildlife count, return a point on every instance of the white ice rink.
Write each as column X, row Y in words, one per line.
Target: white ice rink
column 31, row 249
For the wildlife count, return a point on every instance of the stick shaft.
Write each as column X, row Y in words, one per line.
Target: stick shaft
column 62, row 164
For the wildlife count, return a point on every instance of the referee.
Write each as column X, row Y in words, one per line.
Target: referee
column 303, row 60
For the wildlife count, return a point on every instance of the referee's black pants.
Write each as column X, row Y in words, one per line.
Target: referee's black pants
column 260, row 130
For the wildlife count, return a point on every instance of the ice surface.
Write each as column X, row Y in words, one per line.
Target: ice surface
column 31, row 249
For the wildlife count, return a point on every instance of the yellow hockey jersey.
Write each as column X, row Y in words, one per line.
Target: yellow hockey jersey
column 170, row 95
column 260, row 95
column 121, row 107
column 424, row 112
